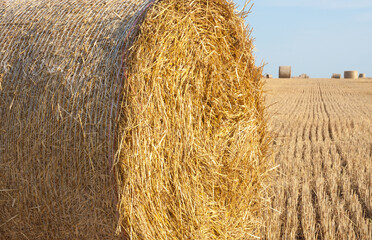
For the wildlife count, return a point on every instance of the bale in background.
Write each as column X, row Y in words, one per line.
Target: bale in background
column 285, row 72
column 336, row 75
column 304, row 75
column 351, row 74
column 362, row 75
column 169, row 103
column 268, row 76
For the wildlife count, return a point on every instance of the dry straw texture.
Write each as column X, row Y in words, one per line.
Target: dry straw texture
column 59, row 62
column 285, row 72
column 154, row 112
column 362, row 75
column 194, row 143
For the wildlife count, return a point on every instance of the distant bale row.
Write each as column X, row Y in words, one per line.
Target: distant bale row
column 142, row 116
column 349, row 75
column 285, row 72
column 353, row 75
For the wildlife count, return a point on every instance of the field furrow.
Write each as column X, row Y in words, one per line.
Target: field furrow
column 322, row 141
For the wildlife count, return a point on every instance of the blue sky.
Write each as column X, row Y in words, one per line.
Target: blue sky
column 316, row 37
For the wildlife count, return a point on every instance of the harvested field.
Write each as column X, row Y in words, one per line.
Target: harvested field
column 323, row 144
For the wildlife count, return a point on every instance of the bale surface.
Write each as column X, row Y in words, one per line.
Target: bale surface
column 285, row 72
column 58, row 105
column 351, row 74
column 114, row 117
column 194, row 128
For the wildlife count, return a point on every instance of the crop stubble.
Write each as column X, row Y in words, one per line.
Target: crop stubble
column 323, row 146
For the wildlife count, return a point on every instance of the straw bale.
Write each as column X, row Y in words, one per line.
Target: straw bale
column 284, row 71
column 268, row 76
column 351, row 74
column 304, row 75
column 336, row 75
column 123, row 114
column 362, row 75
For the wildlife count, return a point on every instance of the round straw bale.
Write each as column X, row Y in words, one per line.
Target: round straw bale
column 351, row 74
column 285, row 72
column 304, row 75
column 362, row 75
column 268, row 75
column 143, row 117
column 336, row 75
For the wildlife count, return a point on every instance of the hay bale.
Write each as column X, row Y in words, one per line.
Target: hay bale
column 285, row 72
column 153, row 112
column 336, row 75
column 268, row 75
column 351, row 74
column 303, row 76
column 362, row 75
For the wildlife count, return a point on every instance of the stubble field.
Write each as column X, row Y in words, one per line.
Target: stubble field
column 322, row 131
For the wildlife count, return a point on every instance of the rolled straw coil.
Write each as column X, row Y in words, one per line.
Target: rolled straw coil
column 351, row 74
column 268, row 76
column 285, row 72
column 304, row 75
column 125, row 115
column 336, row 75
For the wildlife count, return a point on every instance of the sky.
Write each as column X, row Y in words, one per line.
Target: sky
column 315, row 37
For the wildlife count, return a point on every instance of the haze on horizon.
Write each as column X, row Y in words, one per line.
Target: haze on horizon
column 317, row 37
